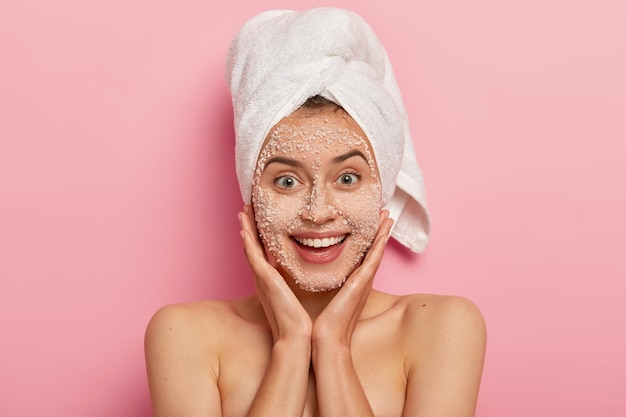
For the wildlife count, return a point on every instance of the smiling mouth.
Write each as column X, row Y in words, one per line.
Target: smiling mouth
column 320, row 243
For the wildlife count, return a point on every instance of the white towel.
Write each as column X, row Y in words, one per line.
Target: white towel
column 280, row 58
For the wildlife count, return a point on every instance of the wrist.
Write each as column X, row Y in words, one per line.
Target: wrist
column 294, row 334
column 329, row 338
column 292, row 346
column 330, row 351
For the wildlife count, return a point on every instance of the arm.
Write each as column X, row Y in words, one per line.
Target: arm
column 284, row 385
column 446, row 359
column 339, row 390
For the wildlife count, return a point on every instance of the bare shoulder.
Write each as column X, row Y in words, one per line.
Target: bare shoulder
column 445, row 342
column 202, row 325
column 182, row 350
column 187, row 317
column 443, row 312
column 177, row 331
column 441, row 319
column 201, row 322
column 425, row 320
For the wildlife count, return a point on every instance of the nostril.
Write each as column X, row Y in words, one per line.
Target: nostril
column 317, row 208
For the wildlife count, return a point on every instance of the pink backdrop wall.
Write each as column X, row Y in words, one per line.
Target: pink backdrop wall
column 118, row 192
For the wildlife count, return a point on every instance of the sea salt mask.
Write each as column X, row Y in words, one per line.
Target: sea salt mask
column 317, row 197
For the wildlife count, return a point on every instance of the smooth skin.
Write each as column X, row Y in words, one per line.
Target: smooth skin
column 350, row 352
column 284, row 351
column 366, row 350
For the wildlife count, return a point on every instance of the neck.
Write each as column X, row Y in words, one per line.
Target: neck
column 314, row 302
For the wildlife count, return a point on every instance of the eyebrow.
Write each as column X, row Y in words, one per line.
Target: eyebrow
column 336, row 160
column 348, row 155
column 283, row 160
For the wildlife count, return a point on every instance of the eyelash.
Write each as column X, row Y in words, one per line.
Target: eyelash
column 297, row 182
column 354, row 173
column 280, row 177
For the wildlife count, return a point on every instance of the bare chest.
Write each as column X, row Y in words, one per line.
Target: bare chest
column 377, row 360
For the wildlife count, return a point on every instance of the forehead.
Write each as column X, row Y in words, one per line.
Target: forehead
column 319, row 131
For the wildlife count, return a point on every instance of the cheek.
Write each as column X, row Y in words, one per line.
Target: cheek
column 274, row 213
column 361, row 211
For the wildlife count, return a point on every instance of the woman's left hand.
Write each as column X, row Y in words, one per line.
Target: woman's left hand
column 339, row 392
column 337, row 321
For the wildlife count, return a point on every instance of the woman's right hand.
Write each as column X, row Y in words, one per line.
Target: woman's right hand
column 285, row 314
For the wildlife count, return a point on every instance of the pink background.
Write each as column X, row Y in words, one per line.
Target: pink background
column 118, row 192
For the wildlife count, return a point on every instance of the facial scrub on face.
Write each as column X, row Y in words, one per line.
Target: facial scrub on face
column 317, row 197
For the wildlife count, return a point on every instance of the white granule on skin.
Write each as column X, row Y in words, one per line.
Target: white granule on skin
column 278, row 216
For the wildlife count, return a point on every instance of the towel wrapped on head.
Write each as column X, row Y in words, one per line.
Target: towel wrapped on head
column 280, row 58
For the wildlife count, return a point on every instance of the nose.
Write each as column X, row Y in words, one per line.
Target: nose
column 318, row 207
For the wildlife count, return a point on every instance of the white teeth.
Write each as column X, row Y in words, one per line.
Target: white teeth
column 320, row 243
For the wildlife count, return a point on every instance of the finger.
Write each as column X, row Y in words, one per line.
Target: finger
column 264, row 273
column 249, row 210
column 252, row 247
column 250, row 225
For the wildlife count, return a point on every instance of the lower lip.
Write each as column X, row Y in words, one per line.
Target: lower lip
column 319, row 255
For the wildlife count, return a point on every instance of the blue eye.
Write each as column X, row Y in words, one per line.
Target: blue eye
column 286, row 181
column 348, row 179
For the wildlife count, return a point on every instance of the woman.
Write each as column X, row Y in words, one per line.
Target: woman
column 328, row 174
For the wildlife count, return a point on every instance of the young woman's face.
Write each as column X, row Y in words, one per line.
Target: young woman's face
column 317, row 197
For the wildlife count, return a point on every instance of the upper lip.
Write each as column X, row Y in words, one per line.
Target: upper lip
column 318, row 235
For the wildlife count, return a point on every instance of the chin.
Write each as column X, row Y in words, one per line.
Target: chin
column 331, row 278
column 320, row 284
column 315, row 270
